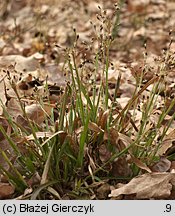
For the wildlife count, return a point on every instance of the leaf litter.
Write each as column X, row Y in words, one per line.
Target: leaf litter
column 35, row 84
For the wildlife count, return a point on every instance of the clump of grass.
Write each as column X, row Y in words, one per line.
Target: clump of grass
column 85, row 140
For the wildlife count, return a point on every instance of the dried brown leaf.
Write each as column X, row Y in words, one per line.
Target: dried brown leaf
column 150, row 185
column 104, row 153
column 2, row 93
column 94, row 127
column 13, row 108
column 22, row 64
column 35, row 179
column 111, row 135
column 125, row 141
column 120, row 167
column 161, row 166
column 37, row 113
column 103, row 191
column 103, row 120
column 166, row 143
column 6, row 190
column 140, row 164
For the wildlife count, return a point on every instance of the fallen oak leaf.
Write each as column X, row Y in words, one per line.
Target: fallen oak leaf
column 150, row 185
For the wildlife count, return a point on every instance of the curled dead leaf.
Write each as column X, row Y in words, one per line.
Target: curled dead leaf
column 103, row 120
column 163, row 165
column 94, row 127
column 166, row 143
column 140, row 164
